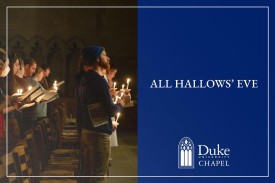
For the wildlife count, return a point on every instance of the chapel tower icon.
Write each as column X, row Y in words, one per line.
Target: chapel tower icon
column 186, row 153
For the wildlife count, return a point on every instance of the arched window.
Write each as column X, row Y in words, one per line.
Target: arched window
column 186, row 153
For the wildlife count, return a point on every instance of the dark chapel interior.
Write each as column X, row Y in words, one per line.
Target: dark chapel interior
column 55, row 33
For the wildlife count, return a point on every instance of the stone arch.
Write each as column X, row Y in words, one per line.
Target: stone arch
column 56, row 60
column 38, row 49
column 19, row 46
column 73, row 52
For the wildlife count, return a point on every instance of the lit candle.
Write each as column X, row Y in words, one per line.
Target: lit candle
column 116, row 99
column 55, row 82
column 30, row 87
column 122, row 87
column 114, row 84
column 19, row 92
column 117, row 116
column 128, row 81
column 121, row 94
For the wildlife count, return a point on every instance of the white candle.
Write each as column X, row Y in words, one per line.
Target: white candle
column 122, row 87
column 114, row 84
column 116, row 99
column 117, row 116
column 30, row 87
column 19, row 92
column 121, row 94
column 55, row 82
column 128, row 81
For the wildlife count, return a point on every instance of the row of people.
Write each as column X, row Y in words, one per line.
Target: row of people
column 19, row 75
column 95, row 105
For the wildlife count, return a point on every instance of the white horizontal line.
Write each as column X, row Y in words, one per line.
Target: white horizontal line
column 149, row 7
column 153, row 176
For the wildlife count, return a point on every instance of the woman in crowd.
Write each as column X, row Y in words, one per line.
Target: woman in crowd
column 111, row 73
column 19, row 75
column 14, row 132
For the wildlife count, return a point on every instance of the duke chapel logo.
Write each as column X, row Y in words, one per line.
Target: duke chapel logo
column 186, row 153
column 206, row 156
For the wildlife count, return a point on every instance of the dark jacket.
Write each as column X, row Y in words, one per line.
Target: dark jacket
column 94, row 88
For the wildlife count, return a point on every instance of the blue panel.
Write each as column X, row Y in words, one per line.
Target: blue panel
column 203, row 44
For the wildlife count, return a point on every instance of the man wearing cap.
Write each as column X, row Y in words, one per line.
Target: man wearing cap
column 95, row 109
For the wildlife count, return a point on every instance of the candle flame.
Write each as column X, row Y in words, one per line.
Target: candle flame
column 118, row 114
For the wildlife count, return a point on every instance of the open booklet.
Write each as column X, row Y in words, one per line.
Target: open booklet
column 26, row 106
column 36, row 94
column 97, row 114
column 47, row 96
column 27, row 93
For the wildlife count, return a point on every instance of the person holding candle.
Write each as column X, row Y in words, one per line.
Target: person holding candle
column 15, row 117
column 13, row 85
column 94, row 95
column 111, row 73
column 19, row 76
column 14, row 132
